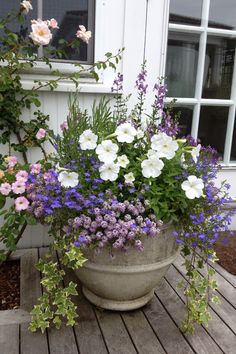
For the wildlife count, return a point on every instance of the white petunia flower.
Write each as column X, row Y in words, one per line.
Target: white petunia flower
column 193, row 187
column 140, row 133
column 107, row 151
column 152, row 167
column 123, row 161
column 129, row 178
column 125, row 133
column 88, row 140
column 164, row 145
column 195, row 152
column 153, row 153
column 68, row 179
column 109, row 171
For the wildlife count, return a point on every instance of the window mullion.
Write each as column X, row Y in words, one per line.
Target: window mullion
column 200, row 68
column 231, row 119
column 40, row 15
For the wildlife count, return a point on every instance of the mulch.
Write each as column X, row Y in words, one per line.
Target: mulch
column 226, row 252
column 10, row 285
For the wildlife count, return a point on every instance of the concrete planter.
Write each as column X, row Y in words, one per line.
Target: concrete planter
column 128, row 280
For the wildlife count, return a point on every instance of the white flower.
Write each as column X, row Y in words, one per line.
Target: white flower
column 125, row 133
column 68, row 179
column 88, row 140
column 129, row 178
column 193, row 187
column 109, row 171
column 26, row 6
column 164, row 145
column 195, row 152
column 107, row 151
column 153, row 153
column 123, row 161
column 41, row 34
column 140, row 133
column 152, row 167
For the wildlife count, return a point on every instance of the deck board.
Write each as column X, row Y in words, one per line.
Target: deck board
column 154, row 329
column 9, row 339
column 201, row 342
column 222, row 334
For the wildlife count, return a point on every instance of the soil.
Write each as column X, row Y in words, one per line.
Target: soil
column 226, row 252
column 10, row 285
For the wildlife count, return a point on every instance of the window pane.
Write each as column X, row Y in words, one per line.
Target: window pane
column 233, row 149
column 213, row 126
column 219, row 64
column 69, row 14
column 186, row 12
column 14, row 5
column 181, row 65
column 185, row 119
column 222, row 14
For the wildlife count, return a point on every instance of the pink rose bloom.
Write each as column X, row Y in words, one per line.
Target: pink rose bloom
column 11, row 160
column 18, row 187
column 41, row 34
column 53, row 23
column 5, row 188
column 83, row 34
column 21, row 203
column 22, row 176
column 35, row 168
column 41, row 134
column 64, row 125
column 25, row 6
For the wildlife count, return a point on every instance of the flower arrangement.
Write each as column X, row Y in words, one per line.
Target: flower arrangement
column 115, row 178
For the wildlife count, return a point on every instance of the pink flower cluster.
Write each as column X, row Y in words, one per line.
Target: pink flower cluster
column 41, row 31
column 19, row 186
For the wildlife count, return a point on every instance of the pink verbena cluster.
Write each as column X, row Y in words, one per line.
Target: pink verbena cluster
column 118, row 224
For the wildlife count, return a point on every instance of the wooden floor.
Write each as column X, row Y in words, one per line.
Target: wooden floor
column 151, row 330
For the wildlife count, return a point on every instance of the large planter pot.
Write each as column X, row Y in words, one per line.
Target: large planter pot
column 127, row 281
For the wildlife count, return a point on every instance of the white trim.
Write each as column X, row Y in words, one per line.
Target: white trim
column 202, row 101
column 185, row 28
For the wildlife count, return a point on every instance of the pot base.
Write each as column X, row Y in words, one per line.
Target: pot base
column 114, row 305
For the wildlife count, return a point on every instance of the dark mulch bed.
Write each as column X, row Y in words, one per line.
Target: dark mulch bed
column 10, row 285
column 226, row 252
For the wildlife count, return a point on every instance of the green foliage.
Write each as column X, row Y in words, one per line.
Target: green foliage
column 198, row 290
column 55, row 305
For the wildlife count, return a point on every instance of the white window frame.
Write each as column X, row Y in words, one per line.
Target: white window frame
column 198, row 101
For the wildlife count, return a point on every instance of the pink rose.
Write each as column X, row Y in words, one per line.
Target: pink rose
column 5, row 188
column 41, row 34
column 35, row 168
column 11, row 160
column 53, row 23
column 21, row 203
column 25, row 6
column 22, row 176
column 41, row 134
column 18, row 187
column 64, row 125
column 83, row 34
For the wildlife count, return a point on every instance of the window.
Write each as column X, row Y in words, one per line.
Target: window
column 201, row 71
column 69, row 14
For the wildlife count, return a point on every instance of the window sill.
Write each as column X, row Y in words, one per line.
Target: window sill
column 87, row 85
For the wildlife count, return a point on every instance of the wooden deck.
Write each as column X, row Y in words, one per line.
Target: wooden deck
column 151, row 330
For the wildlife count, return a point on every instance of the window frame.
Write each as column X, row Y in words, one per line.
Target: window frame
column 197, row 101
